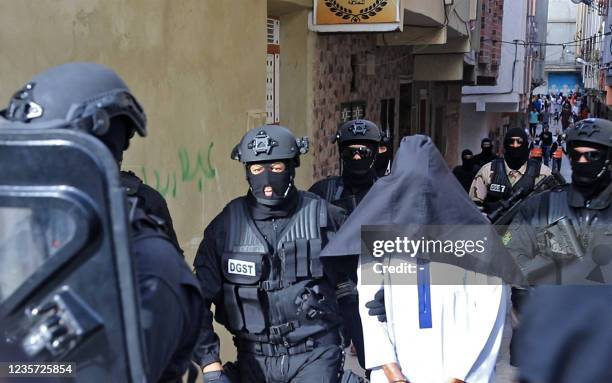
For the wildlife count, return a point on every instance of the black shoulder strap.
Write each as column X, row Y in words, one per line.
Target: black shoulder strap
column 498, row 172
column 557, row 205
column 146, row 225
column 130, row 182
column 527, row 182
column 497, row 167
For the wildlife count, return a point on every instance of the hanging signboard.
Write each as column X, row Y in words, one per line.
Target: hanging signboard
column 355, row 15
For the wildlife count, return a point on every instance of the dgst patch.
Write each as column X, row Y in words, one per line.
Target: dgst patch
column 498, row 188
column 235, row 266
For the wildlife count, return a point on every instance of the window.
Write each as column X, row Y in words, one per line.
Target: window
column 40, row 233
column 273, row 72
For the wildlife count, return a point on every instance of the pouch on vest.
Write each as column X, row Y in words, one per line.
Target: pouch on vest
column 301, row 260
column 243, row 271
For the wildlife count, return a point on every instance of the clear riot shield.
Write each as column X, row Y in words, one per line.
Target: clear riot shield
column 67, row 287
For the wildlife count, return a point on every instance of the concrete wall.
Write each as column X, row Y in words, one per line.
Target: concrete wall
column 198, row 68
column 296, row 78
column 562, row 16
column 476, row 126
column 560, row 33
column 185, row 62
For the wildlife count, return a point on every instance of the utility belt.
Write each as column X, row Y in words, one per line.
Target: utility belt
column 327, row 338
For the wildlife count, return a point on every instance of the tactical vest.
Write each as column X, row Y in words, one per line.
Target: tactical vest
column 592, row 229
column 263, row 288
column 334, row 188
column 556, row 206
column 501, row 188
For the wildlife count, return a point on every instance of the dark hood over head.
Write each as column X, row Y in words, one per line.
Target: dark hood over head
column 420, row 190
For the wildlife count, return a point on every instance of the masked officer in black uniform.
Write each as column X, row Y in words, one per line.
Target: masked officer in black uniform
column 499, row 179
column 92, row 98
column 486, row 154
column 358, row 143
column 259, row 264
column 564, row 235
column 467, row 170
column 555, row 227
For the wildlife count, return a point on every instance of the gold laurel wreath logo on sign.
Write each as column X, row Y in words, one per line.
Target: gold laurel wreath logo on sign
column 363, row 14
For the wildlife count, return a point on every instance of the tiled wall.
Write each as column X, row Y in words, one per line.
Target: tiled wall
column 376, row 79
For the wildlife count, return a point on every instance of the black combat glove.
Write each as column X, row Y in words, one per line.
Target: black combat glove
column 376, row 307
column 216, row 377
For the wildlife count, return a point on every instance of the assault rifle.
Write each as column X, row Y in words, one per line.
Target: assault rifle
column 505, row 212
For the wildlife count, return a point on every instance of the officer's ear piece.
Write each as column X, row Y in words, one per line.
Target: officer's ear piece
column 235, row 155
column 303, row 145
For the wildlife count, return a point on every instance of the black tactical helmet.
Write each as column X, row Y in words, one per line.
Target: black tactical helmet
column 591, row 130
column 269, row 143
column 85, row 94
column 358, row 130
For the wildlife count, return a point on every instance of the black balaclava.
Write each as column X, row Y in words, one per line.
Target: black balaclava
column 284, row 194
column 117, row 139
column 590, row 178
column 487, row 151
column 467, row 163
column 359, row 172
column 516, row 157
column 281, row 183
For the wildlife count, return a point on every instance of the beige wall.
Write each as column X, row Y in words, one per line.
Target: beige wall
column 198, row 67
column 296, row 70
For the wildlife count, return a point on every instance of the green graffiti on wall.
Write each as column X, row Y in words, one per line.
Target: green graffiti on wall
column 200, row 169
column 196, row 169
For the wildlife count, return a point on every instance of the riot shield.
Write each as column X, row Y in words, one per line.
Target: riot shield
column 67, row 286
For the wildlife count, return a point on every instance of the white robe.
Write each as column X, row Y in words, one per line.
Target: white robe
column 463, row 343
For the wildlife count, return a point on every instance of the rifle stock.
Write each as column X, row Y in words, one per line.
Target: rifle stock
column 504, row 214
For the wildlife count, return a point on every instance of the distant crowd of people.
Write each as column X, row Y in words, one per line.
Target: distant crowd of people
column 545, row 145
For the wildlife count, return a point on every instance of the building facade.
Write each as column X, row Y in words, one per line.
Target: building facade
column 407, row 80
column 563, row 72
column 590, row 27
column 489, row 107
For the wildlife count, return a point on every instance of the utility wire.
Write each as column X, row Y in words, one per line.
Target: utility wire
column 598, row 36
